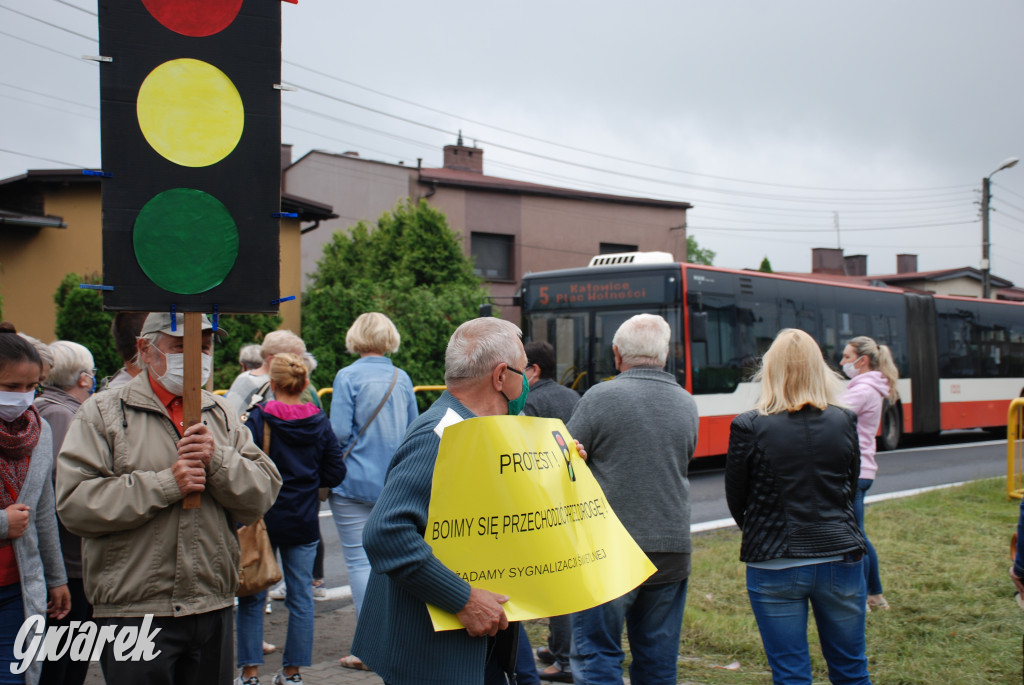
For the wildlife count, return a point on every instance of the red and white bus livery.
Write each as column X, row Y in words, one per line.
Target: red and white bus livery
column 961, row 360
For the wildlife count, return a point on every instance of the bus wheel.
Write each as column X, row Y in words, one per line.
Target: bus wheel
column 892, row 427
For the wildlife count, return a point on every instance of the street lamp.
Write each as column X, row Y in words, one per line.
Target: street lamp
column 986, row 275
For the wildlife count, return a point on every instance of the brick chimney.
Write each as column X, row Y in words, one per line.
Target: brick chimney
column 906, row 263
column 827, row 260
column 463, row 158
column 856, row 264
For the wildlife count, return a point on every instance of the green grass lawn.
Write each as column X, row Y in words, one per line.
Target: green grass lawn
column 943, row 558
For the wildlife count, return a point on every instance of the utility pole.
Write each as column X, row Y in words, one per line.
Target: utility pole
column 986, row 272
column 986, row 196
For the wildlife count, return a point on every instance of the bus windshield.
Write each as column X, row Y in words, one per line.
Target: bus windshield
column 583, row 342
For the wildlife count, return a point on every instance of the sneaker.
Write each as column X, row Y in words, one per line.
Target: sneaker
column 282, row 679
column 319, row 589
column 269, row 648
column 277, row 592
column 251, row 680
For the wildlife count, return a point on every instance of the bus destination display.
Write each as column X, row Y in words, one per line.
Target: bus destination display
column 625, row 290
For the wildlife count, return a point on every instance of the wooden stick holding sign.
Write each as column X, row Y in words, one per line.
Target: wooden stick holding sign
column 192, row 397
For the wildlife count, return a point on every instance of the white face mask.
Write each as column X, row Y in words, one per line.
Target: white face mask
column 850, row 370
column 14, row 404
column 173, row 379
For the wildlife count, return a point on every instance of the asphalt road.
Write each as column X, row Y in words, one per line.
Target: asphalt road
column 950, row 457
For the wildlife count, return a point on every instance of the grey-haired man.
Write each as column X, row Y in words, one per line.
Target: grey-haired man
column 126, row 465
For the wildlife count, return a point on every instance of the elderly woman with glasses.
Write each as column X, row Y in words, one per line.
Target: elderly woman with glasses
column 72, row 378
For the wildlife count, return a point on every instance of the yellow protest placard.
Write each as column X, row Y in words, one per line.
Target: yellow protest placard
column 515, row 510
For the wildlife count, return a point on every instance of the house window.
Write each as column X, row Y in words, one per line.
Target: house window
column 492, row 255
column 615, row 248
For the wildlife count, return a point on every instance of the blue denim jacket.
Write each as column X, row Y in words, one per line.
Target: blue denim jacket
column 358, row 390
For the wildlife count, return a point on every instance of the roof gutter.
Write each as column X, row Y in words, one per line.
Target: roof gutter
column 32, row 221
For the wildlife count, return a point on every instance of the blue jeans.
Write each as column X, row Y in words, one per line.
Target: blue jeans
column 349, row 518
column 654, row 619
column 871, row 561
column 297, row 569
column 560, row 639
column 12, row 615
column 779, row 598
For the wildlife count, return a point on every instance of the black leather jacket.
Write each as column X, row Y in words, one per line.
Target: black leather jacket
column 790, row 482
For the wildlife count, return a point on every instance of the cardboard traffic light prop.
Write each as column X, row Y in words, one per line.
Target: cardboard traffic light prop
column 191, row 138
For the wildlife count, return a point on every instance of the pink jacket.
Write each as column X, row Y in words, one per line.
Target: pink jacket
column 865, row 395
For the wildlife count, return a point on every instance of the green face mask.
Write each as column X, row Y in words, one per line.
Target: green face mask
column 515, row 407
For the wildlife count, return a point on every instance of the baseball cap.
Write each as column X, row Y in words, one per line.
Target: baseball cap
column 160, row 322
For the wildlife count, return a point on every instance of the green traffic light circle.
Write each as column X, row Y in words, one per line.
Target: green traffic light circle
column 185, row 240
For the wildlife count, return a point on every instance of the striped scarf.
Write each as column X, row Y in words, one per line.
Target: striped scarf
column 17, row 440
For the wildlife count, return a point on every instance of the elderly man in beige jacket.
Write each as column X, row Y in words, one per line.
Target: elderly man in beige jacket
column 125, row 467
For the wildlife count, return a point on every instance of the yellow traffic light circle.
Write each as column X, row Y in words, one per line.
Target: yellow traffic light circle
column 190, row 112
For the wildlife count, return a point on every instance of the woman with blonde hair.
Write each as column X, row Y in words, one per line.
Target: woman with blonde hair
column 791, row 477
column 873, row 377
column 298, row 438
column 372, row 405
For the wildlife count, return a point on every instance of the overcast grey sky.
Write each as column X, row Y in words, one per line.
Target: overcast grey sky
column 771, row 118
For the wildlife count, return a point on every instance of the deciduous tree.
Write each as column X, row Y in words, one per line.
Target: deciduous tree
column 410, row 267
column 696, row 254
column 80, row 318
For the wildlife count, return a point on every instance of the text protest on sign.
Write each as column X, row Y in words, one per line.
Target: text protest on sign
column 515, row 510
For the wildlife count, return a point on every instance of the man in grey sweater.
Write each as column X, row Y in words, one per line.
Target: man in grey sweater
column 640, row 430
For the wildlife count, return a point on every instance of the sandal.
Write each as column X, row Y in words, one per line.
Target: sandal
column 353, row 662
column 555, row 674
column 877, row 602
column 544, row 655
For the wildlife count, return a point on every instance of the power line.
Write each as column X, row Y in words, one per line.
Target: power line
column 74, row 6
column 931, row 205
column 77, row 58
column 923, row 200
column 828, row 230
column 511, row 132
column 363, row 127
column 602, row 154
column 46, row 106
column 45, row 95
column 1004, row 202
column 1002, row 187
column 589, row 167
column 43, row 21
column 937, row 206
column 44, row 159
column 577, row 149
column 339, row 140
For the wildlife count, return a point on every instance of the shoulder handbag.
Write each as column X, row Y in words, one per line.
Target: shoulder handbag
column 257, row 567
column 325, row 492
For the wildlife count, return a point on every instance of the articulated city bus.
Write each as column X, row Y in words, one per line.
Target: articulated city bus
column 961, row 360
